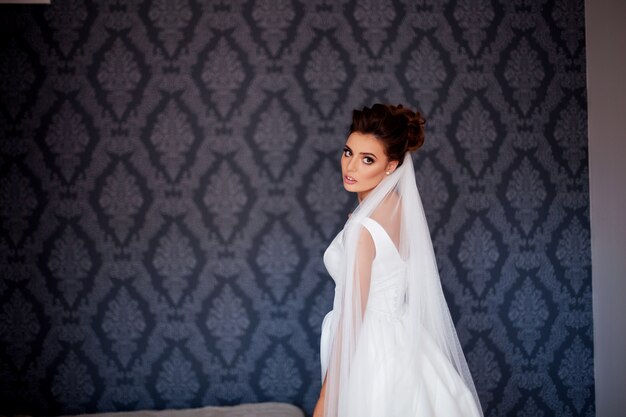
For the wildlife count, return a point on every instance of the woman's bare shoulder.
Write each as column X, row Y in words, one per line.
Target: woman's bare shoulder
column 387, row 214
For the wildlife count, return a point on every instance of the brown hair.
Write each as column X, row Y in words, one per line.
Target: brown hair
column 401, row 130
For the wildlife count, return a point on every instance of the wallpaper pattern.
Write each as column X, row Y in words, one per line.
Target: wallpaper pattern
column 169, row 180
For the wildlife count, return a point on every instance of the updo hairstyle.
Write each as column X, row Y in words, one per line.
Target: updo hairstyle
column 400, row 129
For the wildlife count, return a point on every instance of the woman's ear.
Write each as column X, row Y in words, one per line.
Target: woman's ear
column 391, row 166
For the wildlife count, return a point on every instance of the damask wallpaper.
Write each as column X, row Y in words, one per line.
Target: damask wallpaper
column 169, row 180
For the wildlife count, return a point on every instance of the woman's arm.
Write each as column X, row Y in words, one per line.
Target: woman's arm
column 365, row 253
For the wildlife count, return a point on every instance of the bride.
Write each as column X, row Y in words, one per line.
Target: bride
column 388, row 347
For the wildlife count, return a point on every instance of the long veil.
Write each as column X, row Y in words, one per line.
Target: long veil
column 396, row 205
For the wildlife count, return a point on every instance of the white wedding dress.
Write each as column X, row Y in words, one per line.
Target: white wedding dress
column 389, row 380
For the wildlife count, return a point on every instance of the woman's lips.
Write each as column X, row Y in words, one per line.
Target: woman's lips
column 349, row 180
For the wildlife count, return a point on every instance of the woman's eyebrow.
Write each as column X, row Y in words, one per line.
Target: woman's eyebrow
column 368, row 154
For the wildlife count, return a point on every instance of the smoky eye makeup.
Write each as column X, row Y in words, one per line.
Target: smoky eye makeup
column 368, row 158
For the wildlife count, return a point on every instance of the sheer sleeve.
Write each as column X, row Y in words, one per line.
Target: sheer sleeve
column 350, row 313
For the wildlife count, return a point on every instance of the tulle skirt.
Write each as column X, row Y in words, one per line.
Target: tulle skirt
column 387, row 380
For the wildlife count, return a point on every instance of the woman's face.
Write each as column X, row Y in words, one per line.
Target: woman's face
column 364, row 163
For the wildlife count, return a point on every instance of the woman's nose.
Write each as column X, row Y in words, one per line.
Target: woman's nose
column 352, row 164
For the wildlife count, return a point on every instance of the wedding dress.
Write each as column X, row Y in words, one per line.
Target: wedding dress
column 391, row 358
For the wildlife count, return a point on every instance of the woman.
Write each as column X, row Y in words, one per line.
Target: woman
column 388, row 347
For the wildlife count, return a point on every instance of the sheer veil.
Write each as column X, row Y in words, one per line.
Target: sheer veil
column 396, row 205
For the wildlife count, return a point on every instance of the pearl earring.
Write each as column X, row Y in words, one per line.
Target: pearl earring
column 387, row 172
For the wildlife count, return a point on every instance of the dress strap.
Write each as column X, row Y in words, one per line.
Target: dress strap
column 382, row 240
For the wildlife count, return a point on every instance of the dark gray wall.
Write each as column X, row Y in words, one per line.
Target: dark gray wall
column 169, row 180
column 606, row 43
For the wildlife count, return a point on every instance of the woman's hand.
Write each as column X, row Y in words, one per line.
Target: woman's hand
column 318, row 411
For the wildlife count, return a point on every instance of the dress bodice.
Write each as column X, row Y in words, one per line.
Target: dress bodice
column 388, row 280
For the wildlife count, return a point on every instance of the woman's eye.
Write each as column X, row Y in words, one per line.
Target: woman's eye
column 368, row 160
column 346, row 152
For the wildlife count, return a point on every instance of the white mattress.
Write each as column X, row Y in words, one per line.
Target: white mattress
column 271, row 409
